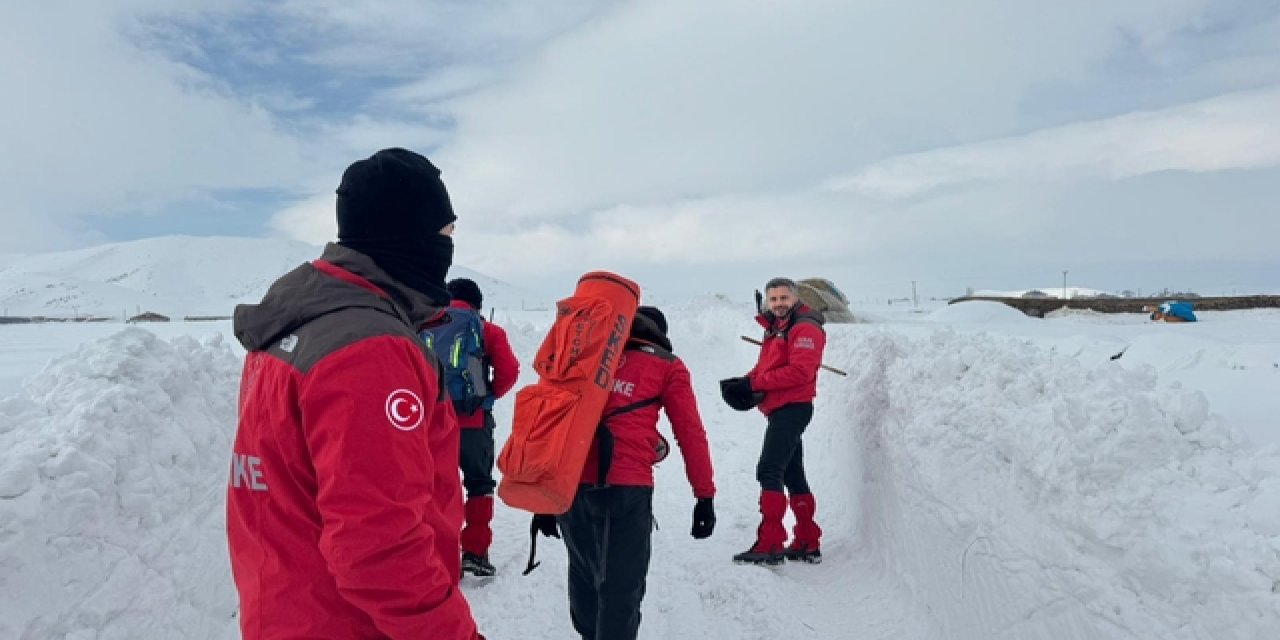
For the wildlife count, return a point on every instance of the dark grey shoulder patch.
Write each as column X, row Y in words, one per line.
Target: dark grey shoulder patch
column 310, row 343
column 654, row 350
column 815, row 321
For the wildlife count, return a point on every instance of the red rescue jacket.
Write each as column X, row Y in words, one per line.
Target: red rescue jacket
column 344, row 504
column 502, row 360
column 787, row 369
column 646, row 372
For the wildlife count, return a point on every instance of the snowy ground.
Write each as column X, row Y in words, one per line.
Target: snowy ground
column 979, row 474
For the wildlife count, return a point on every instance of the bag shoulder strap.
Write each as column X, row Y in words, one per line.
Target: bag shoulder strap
column 604, row 438
column 639, row 404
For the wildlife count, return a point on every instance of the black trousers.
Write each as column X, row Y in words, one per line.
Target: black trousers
column 606, row 532
column 476, row 458
column 782, row 456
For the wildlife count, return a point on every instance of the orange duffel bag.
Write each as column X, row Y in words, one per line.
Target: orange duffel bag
column 556, row 417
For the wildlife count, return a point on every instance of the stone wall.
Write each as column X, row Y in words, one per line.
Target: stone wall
column 1038, row 307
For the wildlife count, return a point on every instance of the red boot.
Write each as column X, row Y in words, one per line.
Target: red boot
column 771, row 535
column 476, row 535
column 806, row 541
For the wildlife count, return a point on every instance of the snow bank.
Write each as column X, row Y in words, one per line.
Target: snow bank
column 111, row 492
column 1021, row 494
column 978, row 312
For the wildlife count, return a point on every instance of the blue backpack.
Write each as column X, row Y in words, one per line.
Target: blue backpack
column 457, row 340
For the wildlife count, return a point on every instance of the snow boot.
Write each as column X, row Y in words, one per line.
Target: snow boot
column 476, row 535
column 807, row 535
column 771, row 535
column 478, row 566
column 801, row 553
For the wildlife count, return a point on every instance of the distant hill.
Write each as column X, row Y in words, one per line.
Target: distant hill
column 173, row 275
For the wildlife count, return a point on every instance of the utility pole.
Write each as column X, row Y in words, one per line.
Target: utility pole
column 915, row 302
column 1064, row 285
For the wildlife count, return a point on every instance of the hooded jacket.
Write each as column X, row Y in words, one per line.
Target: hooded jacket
column 344, row 503
column 649, row 371
column 787, row 369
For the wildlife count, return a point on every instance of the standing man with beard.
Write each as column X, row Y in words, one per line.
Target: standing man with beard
column 782, row 386
column 344, row 505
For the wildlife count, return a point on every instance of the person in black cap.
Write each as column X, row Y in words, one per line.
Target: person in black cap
column 608, row 527
column 344, row 505
column 486, row 355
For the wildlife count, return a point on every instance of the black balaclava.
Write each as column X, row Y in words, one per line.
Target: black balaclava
column 391, row 207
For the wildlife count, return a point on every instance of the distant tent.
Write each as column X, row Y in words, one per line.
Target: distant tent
column 822, row 295
column 149, row 316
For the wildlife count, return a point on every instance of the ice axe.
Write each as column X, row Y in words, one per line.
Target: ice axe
column 761, row 344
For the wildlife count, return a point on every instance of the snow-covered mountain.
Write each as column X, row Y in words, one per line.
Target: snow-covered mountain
column 175, row 276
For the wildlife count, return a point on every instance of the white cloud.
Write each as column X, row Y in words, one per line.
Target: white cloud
column 664, row 100
column 312, row 220
column 664, row 136
column 721, row 230
column 143, row 105
column 1238, row 131
column 408, row 37
column 669, row 136
column 93, row 124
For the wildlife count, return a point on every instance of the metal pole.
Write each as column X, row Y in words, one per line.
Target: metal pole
column 1064, row 285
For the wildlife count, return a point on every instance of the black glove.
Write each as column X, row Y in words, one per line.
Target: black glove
column 737, row 394
column 545, row 524
column 704, row 519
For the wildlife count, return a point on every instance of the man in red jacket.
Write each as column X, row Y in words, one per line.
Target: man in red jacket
column 784, row 383
column 607, row 529
column 343, row 504
column 501, row 370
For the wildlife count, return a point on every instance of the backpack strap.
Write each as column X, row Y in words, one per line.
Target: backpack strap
column 533, row 548
column 605, row 438
column 442, row 394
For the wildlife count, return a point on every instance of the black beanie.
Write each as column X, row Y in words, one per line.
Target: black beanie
column 654, row 314
column 466, row 290
column 650, row 326
column 392, row 195
column 391, row 207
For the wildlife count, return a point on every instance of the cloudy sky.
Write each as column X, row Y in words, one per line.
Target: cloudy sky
column 696, row 146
